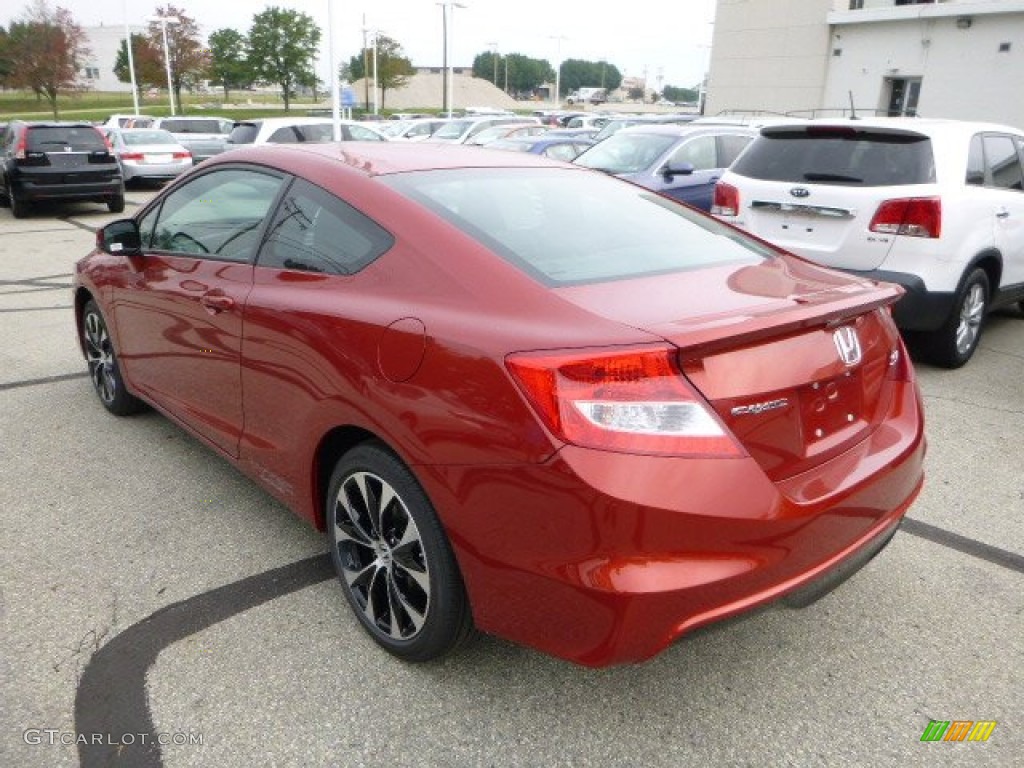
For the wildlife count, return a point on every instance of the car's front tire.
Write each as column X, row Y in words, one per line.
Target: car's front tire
column 104, row 371
column 955, row 342
column 116, row 204
column 395, row 563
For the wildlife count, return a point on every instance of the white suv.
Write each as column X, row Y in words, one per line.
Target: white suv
column 934, row 205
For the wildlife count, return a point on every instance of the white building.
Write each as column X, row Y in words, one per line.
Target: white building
column 952, row 58
column 104, row 42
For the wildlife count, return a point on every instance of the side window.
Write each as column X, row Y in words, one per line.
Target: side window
column 1003, row 162
column 316, row 132
column 286, row 135
column 699, row 152
column 314, row 231
column 217, row 215
column 975, row 163
column 729, row 148
column 359, row 133
column 564, row 152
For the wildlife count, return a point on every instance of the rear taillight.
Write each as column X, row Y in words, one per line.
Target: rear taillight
column 182, row 155
column 726, row 201
column 910, row 216
column 633, row 400
column 20, row 150
column 131, row 156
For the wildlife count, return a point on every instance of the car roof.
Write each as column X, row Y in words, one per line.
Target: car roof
column 686, row 129
column 927, row 125
column 379, row 158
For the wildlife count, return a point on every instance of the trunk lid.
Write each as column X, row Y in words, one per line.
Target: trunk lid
column 796, row 361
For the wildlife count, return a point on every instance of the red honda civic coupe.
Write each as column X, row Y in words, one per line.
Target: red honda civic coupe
column 519, row 396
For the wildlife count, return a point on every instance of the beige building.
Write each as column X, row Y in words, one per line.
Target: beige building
column 957, row 58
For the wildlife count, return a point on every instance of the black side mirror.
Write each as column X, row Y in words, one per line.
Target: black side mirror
column 671, row 170
column 120, row 238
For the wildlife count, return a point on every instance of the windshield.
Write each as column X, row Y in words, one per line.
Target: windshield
column 567, row 227
column 627, row 152
column 81, row 138
column 452, row 130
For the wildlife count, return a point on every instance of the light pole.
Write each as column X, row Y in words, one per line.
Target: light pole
column 494, row 60
column 558, row 70
column 163, row 21
column 131, row 59
column 376, row 77
column 448, row 21
column 335, row 93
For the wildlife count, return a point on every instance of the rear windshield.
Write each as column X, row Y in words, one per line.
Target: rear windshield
column 138, row 138
column 627, row 152
column 243, row 133
column 54, row 138
column 845, row 156
column 191, row 126
column 567, row 227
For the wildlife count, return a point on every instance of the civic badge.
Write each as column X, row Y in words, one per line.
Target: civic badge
column 800, row 192
column 848, row 345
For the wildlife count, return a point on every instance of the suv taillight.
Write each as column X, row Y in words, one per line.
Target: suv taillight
column 19, row 152
column 726, row 201
column 631, row 400
column 911, row 216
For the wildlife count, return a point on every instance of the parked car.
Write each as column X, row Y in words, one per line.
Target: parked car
column 680, row 161
column 589, row 122
column 57, row 161
column 564, row 148
column 412, row 129
column 204, row 137
column 934, row 205
column 148, row 154
column 496, row 132
column 129, row 121
column 514, row 393
column 461, row 130
column 616, row 124
column 298, row 130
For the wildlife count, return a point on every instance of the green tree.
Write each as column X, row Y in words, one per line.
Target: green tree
column 577, row 73
column 526, row 75
column 680, row 95
column 149, row 68
column 47, row 49
column 393, row 69
column 229, row 60
column 489, row 66
column 6, row 64
column 282, row 45
column 189, row 59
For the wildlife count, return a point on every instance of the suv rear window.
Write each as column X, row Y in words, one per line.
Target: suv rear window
column 839, row 155
column 191, row 126
column 53, row 138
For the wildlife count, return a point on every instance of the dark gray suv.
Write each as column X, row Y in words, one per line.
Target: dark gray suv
column 60, row 161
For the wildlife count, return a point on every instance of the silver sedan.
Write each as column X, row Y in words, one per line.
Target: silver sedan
column 148, row 153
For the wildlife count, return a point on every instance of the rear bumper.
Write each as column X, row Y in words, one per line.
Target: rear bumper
column 919, row 309
column 30, row 190
column 609, row 558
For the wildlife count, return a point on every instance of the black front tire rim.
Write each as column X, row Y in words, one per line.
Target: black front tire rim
column 99, row 353
column 381, row 556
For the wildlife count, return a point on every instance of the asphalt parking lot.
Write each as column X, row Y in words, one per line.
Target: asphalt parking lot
column 150, row 593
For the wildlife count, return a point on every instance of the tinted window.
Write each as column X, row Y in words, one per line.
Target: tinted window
column 314, row 231
column 975, row 163
column 318, row 132
column 81, row 138
column 564, row 226
column 358, row 133
column 244, row 133
column 729, row 148
column 191, row 126
column 1003, row 162
column 217, row 214
column 839, row 156
column 286, row 135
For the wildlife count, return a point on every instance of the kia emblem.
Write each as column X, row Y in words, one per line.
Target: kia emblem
column 848, row 345
column 800, row 192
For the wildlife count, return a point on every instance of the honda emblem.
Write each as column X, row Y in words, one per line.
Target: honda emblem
column 848, row 345
column 800, row 192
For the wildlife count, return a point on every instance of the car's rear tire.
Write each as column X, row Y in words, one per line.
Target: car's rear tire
column 116, row 204
column 19, row 208
column 955, row 342
column 393, row 559
column 104, row 371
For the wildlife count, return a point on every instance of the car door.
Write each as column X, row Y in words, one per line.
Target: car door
column 696, row 187
column 1005, row 180
column 299, row 335
column 179, row 306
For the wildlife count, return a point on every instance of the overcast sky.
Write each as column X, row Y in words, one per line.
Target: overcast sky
column 670, row 39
